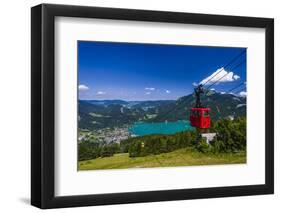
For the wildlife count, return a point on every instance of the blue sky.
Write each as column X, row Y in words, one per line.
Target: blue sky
column 129, row 71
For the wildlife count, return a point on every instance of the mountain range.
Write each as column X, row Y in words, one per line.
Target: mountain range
column 98, row 114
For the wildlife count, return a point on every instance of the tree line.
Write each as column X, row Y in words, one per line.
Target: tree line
column 230, row 138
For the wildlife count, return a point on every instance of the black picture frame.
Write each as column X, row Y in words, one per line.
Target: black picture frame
column 43, row 102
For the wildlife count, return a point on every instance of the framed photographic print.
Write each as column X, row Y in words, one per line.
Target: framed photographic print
column 139, row 106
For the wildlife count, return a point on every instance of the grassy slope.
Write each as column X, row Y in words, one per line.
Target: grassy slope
column 182, row 157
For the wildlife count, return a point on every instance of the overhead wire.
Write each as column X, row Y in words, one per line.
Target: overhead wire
column 225, row 66
column 238, row 65
column 185, row 100
column 236, row 87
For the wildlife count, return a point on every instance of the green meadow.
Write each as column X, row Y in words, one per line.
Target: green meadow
column 180, row 157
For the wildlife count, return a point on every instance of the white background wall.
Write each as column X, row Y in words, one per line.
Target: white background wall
column 15, row 105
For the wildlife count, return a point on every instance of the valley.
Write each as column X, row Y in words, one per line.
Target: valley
column 95, row 115
column 112, row 131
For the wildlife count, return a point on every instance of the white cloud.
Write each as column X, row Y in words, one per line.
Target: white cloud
column 101, row 93
column 243, row 94
column 150, row 88
column 213, row 89
column 194, row 84
column 83, row 87
column 148, row 93
column 168, row 91
column 220, row 75
column 236, row 77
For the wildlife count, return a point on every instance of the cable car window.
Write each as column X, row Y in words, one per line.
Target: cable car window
column 206, row 113
column 195, row 113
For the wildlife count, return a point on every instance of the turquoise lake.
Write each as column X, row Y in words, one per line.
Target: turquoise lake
column 141, row 128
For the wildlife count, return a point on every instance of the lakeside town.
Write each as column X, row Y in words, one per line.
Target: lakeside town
column 104, row 136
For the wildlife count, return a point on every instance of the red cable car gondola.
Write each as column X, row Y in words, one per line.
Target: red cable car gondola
column 199, row 115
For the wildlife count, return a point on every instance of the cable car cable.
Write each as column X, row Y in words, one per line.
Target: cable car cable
column 238, row 65
column 243, row 83
column 229, row 63
column 230, row 90
column 233, row 60
column 184, row 101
